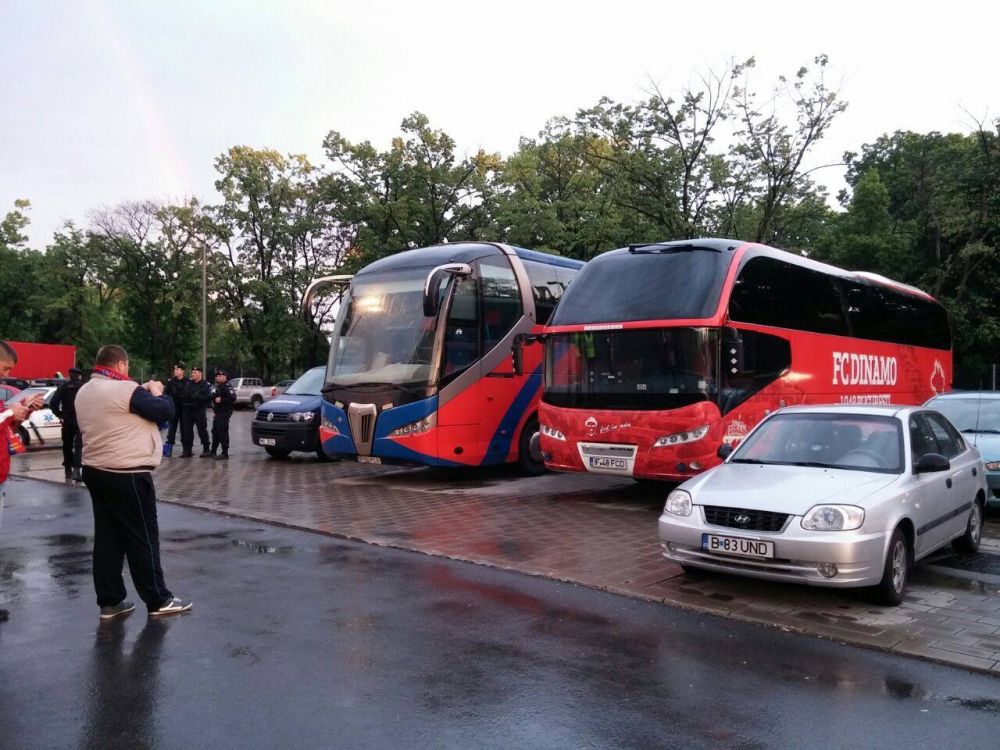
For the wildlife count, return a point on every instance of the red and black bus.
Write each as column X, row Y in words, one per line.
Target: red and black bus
column 421, row 370
column 661, row 353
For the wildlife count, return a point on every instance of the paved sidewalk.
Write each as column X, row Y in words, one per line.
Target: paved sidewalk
column 595, row 531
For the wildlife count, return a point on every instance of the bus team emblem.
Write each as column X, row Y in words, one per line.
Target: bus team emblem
column 591, row 424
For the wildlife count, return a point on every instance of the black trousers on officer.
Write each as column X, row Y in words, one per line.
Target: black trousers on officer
column 191, row 417
column 72, row 444
column 220, row 430
column 172, row 430
column 125, row 526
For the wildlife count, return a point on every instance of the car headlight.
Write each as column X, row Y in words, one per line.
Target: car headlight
column 992, row 465
column 833, row 518
column 301, row 416
column 682, row 437
column 678, row 503
column 552, row 432
column 416, row 428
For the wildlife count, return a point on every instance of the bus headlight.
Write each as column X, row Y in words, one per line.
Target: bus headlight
column 302, row 416
column 416, row 428
column 552, row 432
column 682, row 437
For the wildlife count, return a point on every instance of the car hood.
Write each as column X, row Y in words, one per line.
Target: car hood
column 987, row 443
column 285, row 404
column 787, row 489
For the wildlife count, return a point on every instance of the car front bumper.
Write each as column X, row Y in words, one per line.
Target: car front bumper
column 291, row 436
column 798, row 553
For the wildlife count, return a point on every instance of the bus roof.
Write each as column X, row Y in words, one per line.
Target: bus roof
column 460, row 252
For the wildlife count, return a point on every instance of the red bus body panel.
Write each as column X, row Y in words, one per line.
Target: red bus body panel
column 42, row 360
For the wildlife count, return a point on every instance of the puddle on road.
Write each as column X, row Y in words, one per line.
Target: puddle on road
column 260, row 549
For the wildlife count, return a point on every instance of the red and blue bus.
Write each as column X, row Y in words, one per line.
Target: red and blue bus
column 660, row 354
column 421, row 366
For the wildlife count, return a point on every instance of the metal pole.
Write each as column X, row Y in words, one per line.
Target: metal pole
column 204, row 310
column 994, row 376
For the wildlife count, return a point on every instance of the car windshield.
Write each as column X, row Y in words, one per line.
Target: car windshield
column 381, row 335
column 859, row 442
column 970, row 413
column 649, row 368
column 310, row 384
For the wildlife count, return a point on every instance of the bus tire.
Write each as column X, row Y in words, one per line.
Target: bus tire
column 530, row 465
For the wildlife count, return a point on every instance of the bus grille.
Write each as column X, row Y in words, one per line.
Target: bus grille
column 362, row 420
column 755, row 520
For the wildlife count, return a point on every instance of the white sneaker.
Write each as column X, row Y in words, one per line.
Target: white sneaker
column 172, row 606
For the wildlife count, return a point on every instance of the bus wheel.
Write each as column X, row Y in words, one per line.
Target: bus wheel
column 529, row 455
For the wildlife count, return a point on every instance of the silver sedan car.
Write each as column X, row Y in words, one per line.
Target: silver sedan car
column 832, row 496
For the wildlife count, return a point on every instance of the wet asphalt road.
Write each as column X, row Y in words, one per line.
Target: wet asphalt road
column 300, row 640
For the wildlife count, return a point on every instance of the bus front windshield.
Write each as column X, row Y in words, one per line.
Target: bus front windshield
column 650, row 368
column 382, row 336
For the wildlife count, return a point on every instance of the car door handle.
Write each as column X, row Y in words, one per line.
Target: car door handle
column 947, row 483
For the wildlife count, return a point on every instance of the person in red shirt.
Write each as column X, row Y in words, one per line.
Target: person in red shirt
column 10, row 417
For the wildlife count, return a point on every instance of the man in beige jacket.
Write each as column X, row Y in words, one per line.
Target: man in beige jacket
column 119, row 421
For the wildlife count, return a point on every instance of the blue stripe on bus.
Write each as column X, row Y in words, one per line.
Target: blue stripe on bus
column 342, row 443
column 389, row 448
column 392, row 419
column 507, row 429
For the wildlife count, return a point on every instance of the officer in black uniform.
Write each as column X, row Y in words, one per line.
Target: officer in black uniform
column 197, row 396
column 175, row 389
column 223, row 400
column 63, row 405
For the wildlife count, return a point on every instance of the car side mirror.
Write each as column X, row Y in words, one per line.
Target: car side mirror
column 725, row 451
column 931, row 462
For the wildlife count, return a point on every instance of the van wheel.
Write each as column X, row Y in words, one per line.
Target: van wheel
column 969, row 541
column 529, row 456
column 895, row 573
column 255, row 402
column 25, row 437
column 278, row 452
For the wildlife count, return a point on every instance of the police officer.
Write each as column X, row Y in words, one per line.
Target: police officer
column 196, row 397
column 175, row 389
column 63, row 405
column 223, row 399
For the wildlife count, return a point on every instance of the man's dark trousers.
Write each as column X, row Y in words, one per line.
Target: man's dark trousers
column 172, row 430
column 72, row 444
column 125, row 526
column 220, row 430
column 191, row 417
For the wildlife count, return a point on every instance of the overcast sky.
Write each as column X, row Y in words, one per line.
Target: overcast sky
column 103, row 101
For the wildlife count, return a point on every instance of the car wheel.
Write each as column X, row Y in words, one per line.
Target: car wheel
column 969, row 541
column 25, row 437
column 278, row 452
column 529, row 456
column 895, row 572
column 255, row 402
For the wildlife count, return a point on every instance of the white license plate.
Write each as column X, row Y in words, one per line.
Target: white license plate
column 267, row 441
column 369, row 460
column 609, row 464
column 738, row 546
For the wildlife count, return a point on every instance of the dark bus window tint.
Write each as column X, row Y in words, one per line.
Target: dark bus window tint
column 622, row 286
column 760, row 360
column 774, row 293
column 546, row 287
column 461, row 336
column 884, row 314
column 500, row 298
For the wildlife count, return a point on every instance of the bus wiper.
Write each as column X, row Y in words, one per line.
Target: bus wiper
column 400, row 386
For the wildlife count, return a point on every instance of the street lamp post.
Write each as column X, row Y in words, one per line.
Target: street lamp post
column 204, row 308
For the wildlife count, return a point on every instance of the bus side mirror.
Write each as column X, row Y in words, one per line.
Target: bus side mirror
column 725, row 451
column 432, row 286
column 517, row 350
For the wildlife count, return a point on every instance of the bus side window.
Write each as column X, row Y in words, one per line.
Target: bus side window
column 765, row 359
column 461, row 336
column 547, row 287
column 501, row 300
